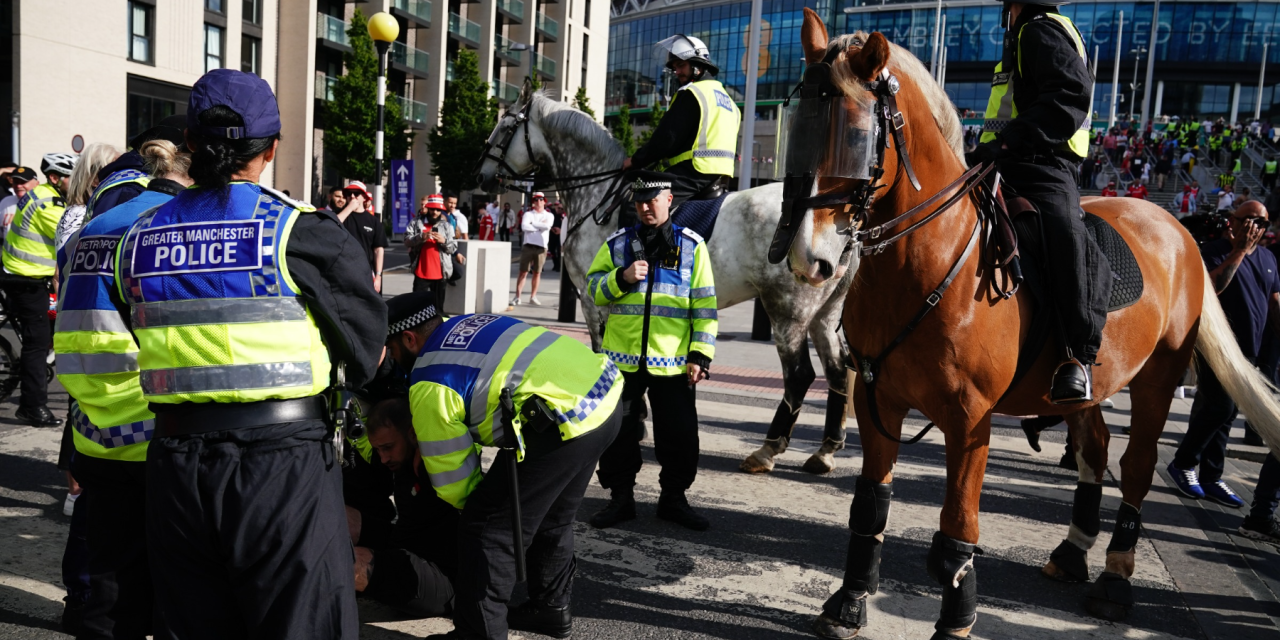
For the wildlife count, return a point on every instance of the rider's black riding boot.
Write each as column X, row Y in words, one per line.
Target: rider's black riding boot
column 1071, row 383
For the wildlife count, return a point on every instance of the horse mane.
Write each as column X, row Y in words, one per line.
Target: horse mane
column 905, row 64
column 565, row 119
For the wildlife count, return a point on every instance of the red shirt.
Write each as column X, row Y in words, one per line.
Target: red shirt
column 429, row 260
column 1137, row 190
column 486, row 227
column 1108, row 192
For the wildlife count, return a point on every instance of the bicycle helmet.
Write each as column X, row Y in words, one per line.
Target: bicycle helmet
column 687, row 48
column 60, row 163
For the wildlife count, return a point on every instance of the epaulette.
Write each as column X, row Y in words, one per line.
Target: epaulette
column 300, row 206
column 692, row 234
column 616, row 234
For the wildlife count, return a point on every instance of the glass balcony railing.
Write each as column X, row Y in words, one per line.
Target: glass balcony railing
column 505, row 92
column 503, row 45
column 448, row 71
column 545, row 65
column 420, row 9
column 464, row 28
column 548, row 26
column 416, row 59
column 332, row 29
column 512, row 7
column 412, row 111
column 324, row 87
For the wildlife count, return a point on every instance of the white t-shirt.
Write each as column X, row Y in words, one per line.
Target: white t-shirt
column 1225, row 200
column 462, row 221
column 8, row 208
column 537, row 226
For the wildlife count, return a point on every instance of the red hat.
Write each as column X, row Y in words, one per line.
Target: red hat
column 358, row 186
column 539, row 195
column 435, row 201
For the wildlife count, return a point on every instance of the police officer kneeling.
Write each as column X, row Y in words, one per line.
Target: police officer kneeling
column 239, row 298
column 656, row 277
column 489, row 381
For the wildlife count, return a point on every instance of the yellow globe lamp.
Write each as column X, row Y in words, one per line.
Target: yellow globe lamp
column 383, row 27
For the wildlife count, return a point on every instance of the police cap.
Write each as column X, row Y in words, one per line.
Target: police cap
column 409, row 310
column 647, row 185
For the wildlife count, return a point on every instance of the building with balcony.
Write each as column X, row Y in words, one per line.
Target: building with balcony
column 134, row 62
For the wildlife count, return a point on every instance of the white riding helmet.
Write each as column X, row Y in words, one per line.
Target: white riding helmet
column 687, row 48
column 61, row 163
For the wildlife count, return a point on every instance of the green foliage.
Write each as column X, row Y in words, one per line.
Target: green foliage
column 535, row 83
column 582, row 103
column 467, row 116
column 622, row 131
column 655, row 117
column 351, row 118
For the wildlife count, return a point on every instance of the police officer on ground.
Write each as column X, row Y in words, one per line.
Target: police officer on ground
column 491, row 381
column 656, row 278
column 1037, row 132
column 241, row 302
column 699, row 134
column 30, row 262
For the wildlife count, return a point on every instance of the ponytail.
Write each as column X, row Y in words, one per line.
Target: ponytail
column 215, row 160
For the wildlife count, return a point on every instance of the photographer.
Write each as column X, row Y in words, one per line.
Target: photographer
column 364, row 226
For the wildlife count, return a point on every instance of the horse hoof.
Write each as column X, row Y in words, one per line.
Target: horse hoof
column 1067, row 563
column 820, row 463
column 833, row 629
column 1110, row 597
column 762, row 460
column 1054, row 572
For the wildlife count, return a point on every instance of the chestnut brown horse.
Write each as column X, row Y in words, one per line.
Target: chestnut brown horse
column 957, row 367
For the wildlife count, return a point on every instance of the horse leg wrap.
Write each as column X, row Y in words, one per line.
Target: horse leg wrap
column 784, row 421
column 951, row 564
column 833, row 428
column 797, row 384
column 845, row 610
column 1072, row 554
column 868, row 518
column 1128, row 524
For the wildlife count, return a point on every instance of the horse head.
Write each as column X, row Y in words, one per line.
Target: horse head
column 841, row 140
column 516, row 147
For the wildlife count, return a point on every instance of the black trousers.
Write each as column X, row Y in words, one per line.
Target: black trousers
column 121, row 603
column 1266, row 496
column 1212, row 413
column 75, row 556
column 686, row 182
column 553, row 477
column 1049, row 182
column 405, row 581
column 504, row 234
column 29, row 306
column 675, row 433
column 438, row 287
column 248, row 535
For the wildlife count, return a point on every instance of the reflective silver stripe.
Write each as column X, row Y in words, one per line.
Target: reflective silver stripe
column 703, row 337
column 703, row 292
column 96, row 363
column 627, row 309
column 461, row 358
column 678, row 290
column 704, row 314
column 712, row 153
column 30, row 257
column 446, row 478
column 32, row 236
column 657, row 311
column 218, row 311
column 706, row 118
column 91, row 320
column 232, row 377
column 618, row 250
column 516, row 375
column 479, row 409
column 446, row 447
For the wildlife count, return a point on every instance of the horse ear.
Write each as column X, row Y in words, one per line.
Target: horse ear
column 867, row 63
column 526, row 91
column 813, row 36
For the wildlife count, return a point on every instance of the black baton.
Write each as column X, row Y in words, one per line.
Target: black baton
column 508, row 411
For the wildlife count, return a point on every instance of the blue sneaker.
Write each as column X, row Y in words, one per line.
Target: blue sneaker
column 1186, row 481
column 1220, row 493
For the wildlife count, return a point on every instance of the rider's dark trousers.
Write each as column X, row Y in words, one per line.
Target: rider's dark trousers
column 686, row 182
column 1049, row 182
column 675, row 433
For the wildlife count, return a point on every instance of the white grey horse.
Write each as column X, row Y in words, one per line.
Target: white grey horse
column 801, row 301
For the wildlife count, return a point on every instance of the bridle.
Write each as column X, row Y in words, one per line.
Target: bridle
column 506, row 171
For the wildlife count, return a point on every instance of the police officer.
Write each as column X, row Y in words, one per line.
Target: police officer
column 110, row 421
column 241, row 301
column 127, row 176
column 30, row 261
column 698, row 135
column 656, row 278
column 1037, row 131
column 483, row 381
column 1269, row 171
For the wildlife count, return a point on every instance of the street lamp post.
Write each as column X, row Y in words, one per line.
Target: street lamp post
column 384, row 30
column 1133, row 93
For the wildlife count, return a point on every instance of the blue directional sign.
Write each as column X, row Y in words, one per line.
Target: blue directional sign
column 401, row 194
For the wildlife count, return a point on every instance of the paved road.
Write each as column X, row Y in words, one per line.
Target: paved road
column 776, row 547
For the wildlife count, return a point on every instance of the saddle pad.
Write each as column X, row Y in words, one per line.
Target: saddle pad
column 1126, row 277
column 699, row 216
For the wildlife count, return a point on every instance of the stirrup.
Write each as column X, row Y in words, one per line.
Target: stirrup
column 1087, row 396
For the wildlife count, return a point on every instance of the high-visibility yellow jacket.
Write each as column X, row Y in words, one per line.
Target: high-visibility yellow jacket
column 29, row 248
column 713, row 149
column 457, row 381
column 660, row 319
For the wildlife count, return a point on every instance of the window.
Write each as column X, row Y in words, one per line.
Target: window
column 212, row 47
column 141, row 23
column 586, row 55
column 150, row 101
column 213, row 5
column 586, row 14
column 250, row 54
column 253, row 11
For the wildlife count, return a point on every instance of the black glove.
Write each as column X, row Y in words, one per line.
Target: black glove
column 984, row 153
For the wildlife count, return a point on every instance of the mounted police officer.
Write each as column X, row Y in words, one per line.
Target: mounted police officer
column 240, row 300
column 699, row 134
column 656, row 277
column 1037, row 132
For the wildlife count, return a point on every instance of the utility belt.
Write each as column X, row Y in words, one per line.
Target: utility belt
column 195, row 418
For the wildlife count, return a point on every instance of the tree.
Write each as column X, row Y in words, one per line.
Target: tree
column 622, row 131
column 535, row 83
column 467, row 116
column 351, row 118
column 655, row 117
column 582, row 103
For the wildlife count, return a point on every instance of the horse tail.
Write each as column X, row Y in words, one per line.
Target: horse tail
column 1252, row 392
